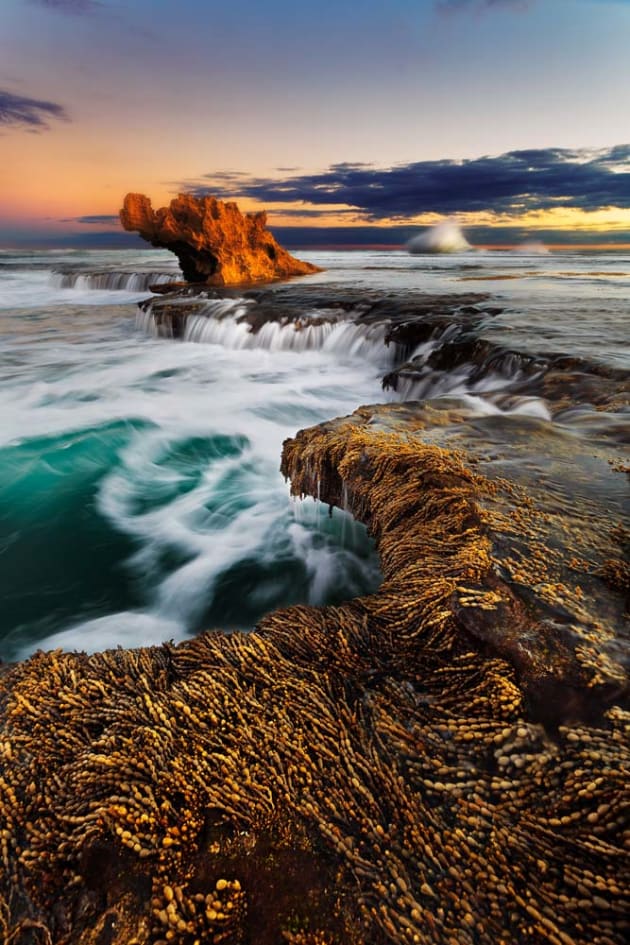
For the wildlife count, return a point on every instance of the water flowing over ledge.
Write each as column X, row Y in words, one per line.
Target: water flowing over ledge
column 427, row 345
column 404, row 757
column 110, row 280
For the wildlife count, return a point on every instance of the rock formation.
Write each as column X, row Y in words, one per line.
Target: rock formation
column 444, row 761
column 214, row 242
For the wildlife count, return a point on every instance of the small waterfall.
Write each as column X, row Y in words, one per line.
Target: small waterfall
column 218, row 322
column 232, row 324
column 145, row 322
column 112, row 281
column 189, row 321
column 450, row 363
column 235, row 331
column 488, row 394
column 429, row 384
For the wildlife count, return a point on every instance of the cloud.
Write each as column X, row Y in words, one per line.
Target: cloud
column 68, row 6
column 455, row 6
column 99, row 218
column 18, row 111
column 309, row 212
column 94, row 218
column 452, row 6
column 516, row 182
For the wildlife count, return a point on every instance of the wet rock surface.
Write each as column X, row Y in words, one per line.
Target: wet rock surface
column 214, row 242
column 550, row 510
column 444, row 761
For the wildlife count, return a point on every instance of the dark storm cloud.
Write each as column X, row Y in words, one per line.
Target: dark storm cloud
column 18, row 111
column 68, row 6
column 515, row 182
column 296, row 238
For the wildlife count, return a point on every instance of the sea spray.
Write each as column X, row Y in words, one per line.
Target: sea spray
column 446, row 237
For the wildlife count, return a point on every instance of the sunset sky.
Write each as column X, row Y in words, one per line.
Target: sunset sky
column 511, row 115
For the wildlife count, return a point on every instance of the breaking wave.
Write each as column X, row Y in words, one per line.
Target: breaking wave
column 446, row 237
column 532, row 248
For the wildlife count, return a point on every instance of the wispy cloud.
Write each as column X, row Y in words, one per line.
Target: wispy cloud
column 515, row 183
column 19, row 111
column 94, row 218
column 99, row 218
column 68, row 6
column 451, row 6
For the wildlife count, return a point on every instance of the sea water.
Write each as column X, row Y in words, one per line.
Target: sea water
column 140, row 492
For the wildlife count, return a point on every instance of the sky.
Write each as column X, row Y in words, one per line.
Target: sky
column 349, row 120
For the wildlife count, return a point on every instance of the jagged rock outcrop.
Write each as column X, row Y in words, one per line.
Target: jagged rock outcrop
column 392, row 770
column 214, row 242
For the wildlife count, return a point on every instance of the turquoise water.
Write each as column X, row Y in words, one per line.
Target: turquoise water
column 60, row 555
column 140, row 493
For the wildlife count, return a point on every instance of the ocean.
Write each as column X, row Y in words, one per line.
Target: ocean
column 140, row 492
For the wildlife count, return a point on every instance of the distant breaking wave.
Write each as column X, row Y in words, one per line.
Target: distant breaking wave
column 444, row 237
column 532, row 248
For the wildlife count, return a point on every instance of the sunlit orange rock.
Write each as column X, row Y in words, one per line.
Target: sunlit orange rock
column 214, row 242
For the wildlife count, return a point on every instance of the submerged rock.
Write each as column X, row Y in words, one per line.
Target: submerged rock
column 214, row 242
column 442, row 761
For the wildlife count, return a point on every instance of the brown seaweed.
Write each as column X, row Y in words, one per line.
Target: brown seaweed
column 373, row 772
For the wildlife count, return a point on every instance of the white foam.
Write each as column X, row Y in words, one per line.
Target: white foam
column 127, row 628
column 446, row 237
column 510, row 406
column 35, row 289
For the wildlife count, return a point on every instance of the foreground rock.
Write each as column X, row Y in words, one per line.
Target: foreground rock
column 548, row 579
column 444, row 761
column 214, row 242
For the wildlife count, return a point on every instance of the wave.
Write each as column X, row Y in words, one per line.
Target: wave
column 532, row 248
column 446, row 237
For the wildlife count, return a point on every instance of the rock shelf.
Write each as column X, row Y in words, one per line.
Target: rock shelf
column 444, row 761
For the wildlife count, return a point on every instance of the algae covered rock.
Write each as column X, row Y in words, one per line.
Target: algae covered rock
column 386, row 770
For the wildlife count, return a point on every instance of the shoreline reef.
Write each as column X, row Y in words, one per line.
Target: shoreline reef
column 444, row 761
